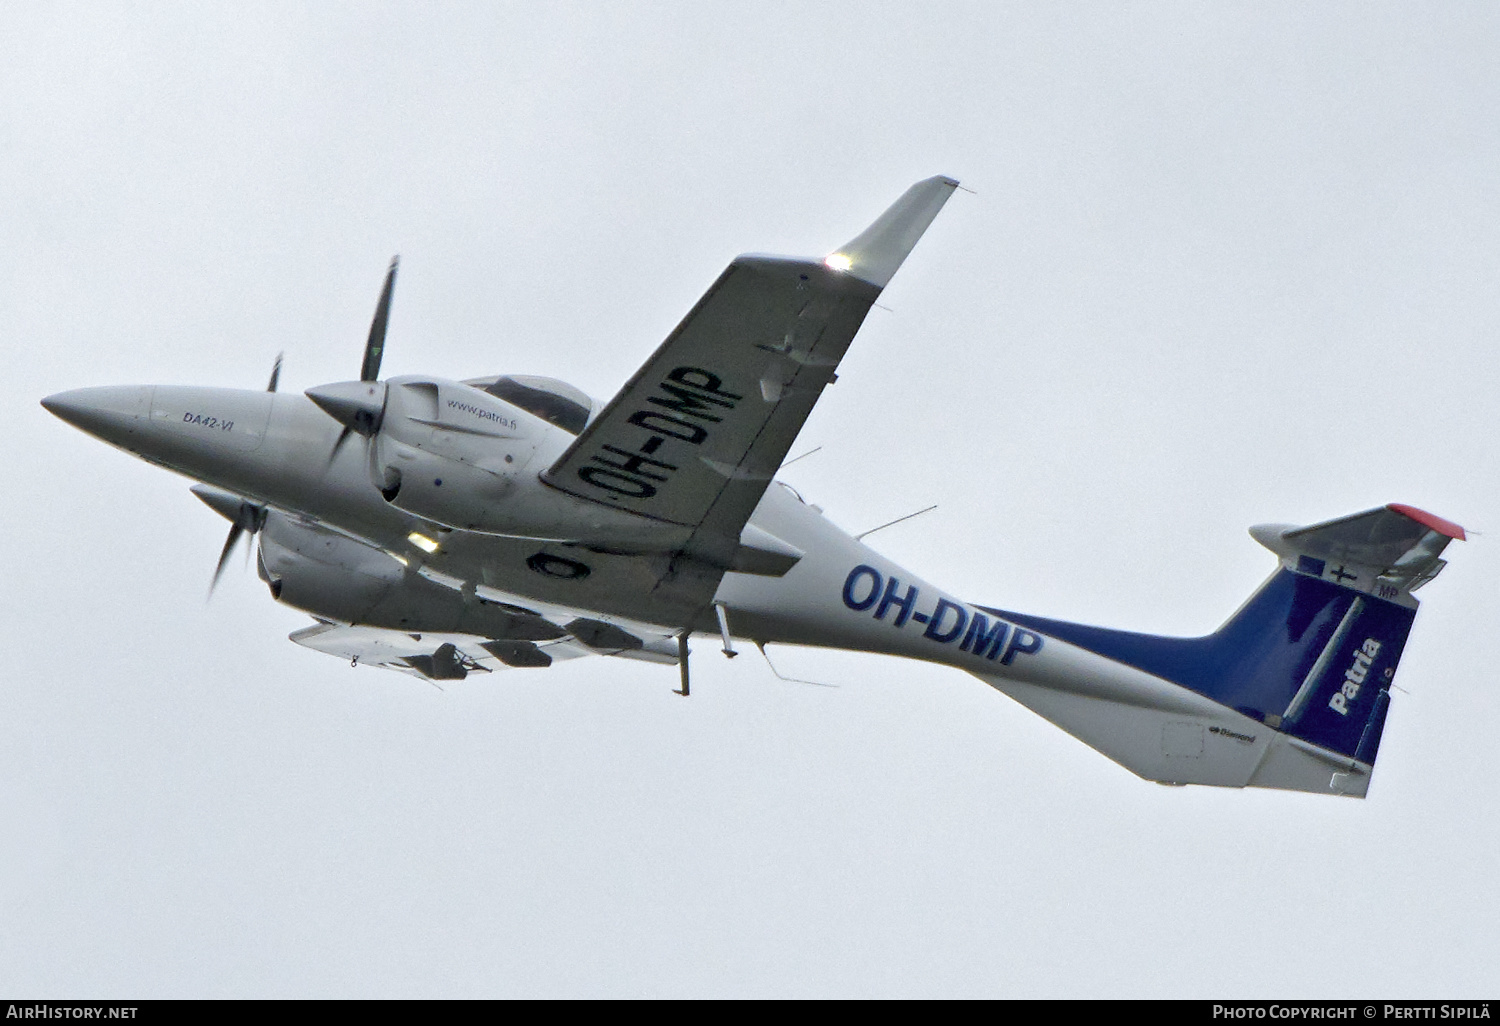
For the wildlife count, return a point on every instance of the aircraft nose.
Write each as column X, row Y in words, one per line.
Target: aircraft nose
column 113, row 412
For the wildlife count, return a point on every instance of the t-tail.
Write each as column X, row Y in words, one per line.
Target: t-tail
column 1292, row 692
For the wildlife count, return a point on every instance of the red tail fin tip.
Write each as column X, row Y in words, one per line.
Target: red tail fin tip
column 1426, row 519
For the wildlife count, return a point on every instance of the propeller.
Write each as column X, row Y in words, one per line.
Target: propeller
column 242, row 516
column 369, row 370
column 359, row 405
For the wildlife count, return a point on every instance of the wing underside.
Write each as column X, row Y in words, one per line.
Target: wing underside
column 447, row 656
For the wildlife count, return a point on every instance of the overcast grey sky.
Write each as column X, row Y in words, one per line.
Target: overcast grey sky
column 1227, row 263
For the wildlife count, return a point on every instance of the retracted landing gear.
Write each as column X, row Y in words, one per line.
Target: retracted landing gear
column 729, row 651
column 682, row 662
column 682, row 646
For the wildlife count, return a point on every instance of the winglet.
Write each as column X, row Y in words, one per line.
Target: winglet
column 876, row 253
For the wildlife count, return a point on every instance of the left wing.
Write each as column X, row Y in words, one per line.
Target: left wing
column 447, row 656
column 696, row 435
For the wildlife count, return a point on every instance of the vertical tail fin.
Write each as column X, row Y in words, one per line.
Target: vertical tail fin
column 1311, row 656
column 1374, row 561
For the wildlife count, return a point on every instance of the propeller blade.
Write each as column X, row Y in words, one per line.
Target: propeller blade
column 375, row 347
column 275, row 373
column 235, row 530
column 339, row 444
column 243, row 516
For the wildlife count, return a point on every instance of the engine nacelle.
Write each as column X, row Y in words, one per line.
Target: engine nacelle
column 323, row 573
column 459, row 456
column 451, row 453
column 467, row 458
column 336, row 578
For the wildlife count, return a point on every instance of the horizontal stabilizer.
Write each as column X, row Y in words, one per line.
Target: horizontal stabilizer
column 1388, row 552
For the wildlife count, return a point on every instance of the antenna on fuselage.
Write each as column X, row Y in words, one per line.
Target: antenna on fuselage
column 893, row 523
column 794, row 459
column 780, row 676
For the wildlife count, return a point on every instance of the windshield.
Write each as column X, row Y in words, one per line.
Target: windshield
column 556, row 402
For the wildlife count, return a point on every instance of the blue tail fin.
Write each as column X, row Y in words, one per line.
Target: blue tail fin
column 1313, row 653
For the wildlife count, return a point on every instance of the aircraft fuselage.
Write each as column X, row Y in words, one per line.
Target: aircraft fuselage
column 273, row 449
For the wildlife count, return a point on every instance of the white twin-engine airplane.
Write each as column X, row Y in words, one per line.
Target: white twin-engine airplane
column 444, row 528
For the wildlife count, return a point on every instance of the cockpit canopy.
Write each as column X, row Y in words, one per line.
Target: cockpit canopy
column 556, row 402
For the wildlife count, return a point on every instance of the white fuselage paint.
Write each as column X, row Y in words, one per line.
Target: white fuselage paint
column 275, row 449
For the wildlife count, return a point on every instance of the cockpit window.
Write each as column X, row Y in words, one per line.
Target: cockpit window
column 554, row 401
